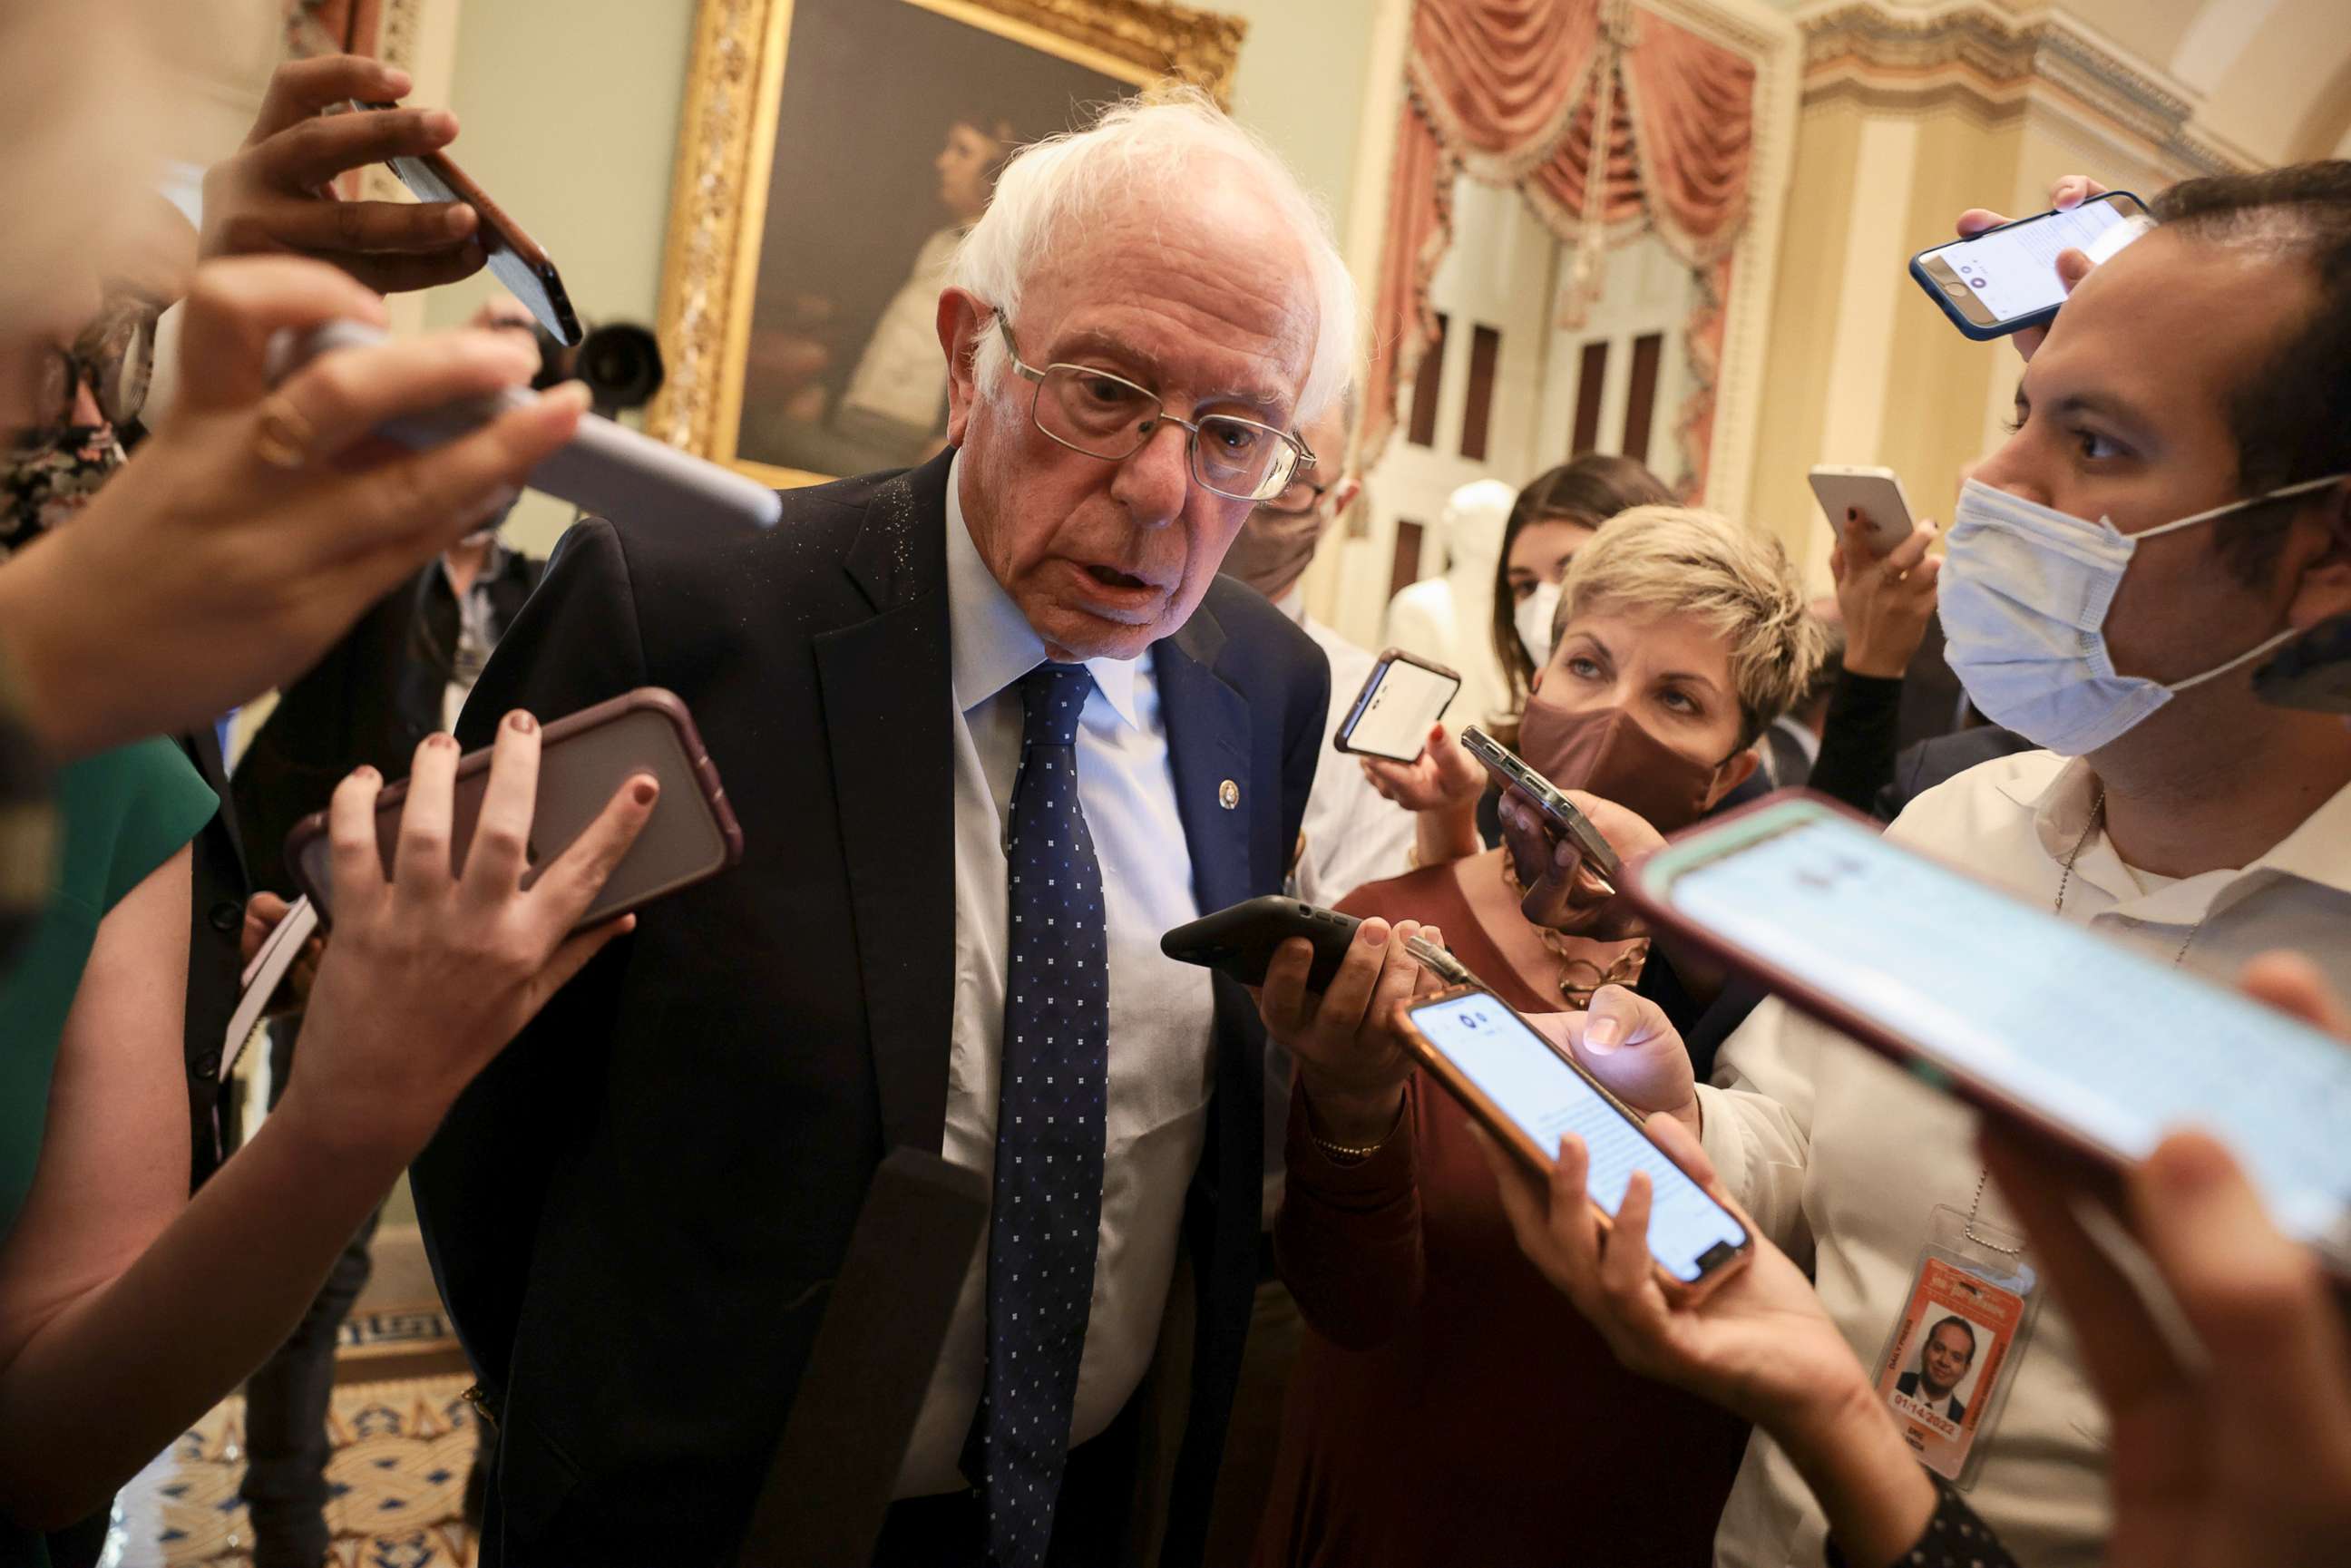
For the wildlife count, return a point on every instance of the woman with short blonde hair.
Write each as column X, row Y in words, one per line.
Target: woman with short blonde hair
column 1441, row 1410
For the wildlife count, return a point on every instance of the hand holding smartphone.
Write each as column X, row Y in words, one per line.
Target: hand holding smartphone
column 605, row 469
column 1403, row 697
column 584, row 759
column 1511, row 771
column 518, row 261
column 1526, row 1092
column 1875, row 492
column 2081, row 1041
column 1240, row 940
column 2005, row 279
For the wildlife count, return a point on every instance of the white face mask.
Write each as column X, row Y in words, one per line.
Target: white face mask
column 1533, row 617
column 2024, row 597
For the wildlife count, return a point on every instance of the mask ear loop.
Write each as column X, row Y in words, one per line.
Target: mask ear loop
column 2285, row 492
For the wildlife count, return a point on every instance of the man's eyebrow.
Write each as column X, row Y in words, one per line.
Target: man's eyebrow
column 1148, row 366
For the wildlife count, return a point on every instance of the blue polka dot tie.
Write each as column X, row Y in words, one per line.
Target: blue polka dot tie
column 1049, row 1131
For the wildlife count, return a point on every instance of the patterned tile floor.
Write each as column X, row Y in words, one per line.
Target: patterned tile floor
column 401, row 1453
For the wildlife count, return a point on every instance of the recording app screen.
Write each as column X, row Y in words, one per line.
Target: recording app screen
column 1407, row 700
column 1516, row 1070
column 2115, row 1043
column 2015, row 271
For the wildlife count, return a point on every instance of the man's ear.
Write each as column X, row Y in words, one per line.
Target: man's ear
column 962, row 320
column 1735, row 772
column 2318, row 552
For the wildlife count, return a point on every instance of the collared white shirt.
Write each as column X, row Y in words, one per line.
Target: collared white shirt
column 1351, row 836
column 1354, row 835
column 1161, row 1012
column 1841, row 1156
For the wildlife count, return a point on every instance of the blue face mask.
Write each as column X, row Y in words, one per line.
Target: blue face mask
column 2025, row 593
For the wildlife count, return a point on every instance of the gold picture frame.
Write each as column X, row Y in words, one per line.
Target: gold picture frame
column 725, row 171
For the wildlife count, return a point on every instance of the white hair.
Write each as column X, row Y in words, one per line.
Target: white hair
column 1058, row 187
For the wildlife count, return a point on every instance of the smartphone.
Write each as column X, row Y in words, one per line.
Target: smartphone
column 517, row 260
column 584, row 759
column 1240, row 940
column 607, row 470
column 1875, row 492
column 1509, row 768
column 2313, row 672
column 2005, row 279
column 1404, row 694
column 2008, row 1007
column 1526, row 1092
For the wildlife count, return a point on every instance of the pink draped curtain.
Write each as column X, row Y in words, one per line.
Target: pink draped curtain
column 1510, row 92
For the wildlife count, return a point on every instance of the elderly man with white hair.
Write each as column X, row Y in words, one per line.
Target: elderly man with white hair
column 992, row 725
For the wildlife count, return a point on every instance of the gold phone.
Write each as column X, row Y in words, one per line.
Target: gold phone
column 1526, row 1092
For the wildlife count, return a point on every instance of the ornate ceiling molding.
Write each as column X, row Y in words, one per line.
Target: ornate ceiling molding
column 1993, row 65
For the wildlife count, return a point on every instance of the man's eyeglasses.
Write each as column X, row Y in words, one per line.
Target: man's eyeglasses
column 1110, row 417
column 114, row 356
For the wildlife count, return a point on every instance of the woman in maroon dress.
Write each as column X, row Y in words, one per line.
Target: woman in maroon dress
column 1444, row 1410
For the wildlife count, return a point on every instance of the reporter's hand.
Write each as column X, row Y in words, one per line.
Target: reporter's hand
column 2243, row 1456
column 2072, row 265
column 1760, row 1343
column 274, row 194
column 204, row 572
column 431, row 971
column 1443, row 777
column 263, row 911
column 1352, row 1064
column 1625, row 1041
column 1886, row 601
column 1563, row 892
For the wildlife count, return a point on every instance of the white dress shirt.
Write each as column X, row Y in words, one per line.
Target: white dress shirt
column 1161, row 1012
column 1353, row 835
column 1841, row 1156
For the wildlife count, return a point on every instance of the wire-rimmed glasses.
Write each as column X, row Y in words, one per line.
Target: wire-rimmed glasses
column 1107, row 416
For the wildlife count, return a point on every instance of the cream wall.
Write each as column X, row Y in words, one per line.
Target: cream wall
column 569, row 109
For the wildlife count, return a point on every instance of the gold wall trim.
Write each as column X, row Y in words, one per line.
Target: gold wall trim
column 1992, row 65
column 725, row 146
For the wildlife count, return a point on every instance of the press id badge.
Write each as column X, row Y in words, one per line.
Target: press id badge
column 1946, row 1366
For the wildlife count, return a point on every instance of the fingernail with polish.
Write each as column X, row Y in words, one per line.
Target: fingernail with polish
column 520, row 722
column 646, row 790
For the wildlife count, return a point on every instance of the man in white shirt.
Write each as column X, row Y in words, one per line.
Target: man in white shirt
column 2195, row 380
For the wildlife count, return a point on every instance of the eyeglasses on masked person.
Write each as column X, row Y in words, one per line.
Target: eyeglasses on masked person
column 1093, row 412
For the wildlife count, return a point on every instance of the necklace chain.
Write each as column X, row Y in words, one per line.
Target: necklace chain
column 1573, row 988
column 2097, row 816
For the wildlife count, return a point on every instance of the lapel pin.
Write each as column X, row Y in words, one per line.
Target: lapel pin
column 1228, row 795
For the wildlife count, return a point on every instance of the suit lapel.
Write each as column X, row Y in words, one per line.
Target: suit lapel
column 1208, row 751
column 888, row 728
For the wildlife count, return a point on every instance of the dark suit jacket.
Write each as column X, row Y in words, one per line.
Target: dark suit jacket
column 635, row 1213
column 1908, row 1383
column 215, row 965
column 1945, row 758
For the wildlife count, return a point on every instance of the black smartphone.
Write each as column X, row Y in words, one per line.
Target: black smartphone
column 1240, row 940
column 2005, row 279
column 1404, row 694
column 2313, row 672
column 1508, row 769
column 518, row 260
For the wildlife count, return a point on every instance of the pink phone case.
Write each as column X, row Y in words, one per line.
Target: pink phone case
column 1801, row 995
column 584, row 759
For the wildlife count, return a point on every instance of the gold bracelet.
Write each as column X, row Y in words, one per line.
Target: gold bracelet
column 1350, row 1154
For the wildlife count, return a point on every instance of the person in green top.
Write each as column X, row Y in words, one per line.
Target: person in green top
column 119, row 894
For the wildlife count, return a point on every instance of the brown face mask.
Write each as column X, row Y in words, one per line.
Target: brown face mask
column 1273, row 548
column 1605, row 752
